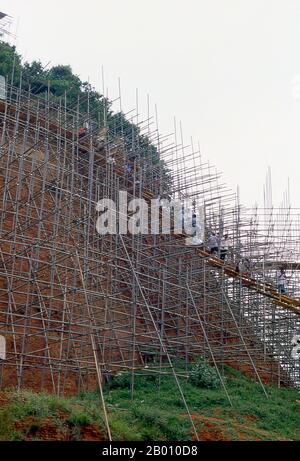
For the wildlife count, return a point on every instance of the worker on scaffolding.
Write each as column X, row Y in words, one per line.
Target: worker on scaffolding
column 110, row 159
column 128, row 169
column 224, row 245
column 101, row 138
column 244, row 266
column 194, row 224
column 281, row 281
column 213, row 244
column 84, row 130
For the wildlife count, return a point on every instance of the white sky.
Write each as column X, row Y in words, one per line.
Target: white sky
column 228, row 69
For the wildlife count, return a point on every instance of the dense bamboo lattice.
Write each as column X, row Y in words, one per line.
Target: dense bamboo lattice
column 75, row 305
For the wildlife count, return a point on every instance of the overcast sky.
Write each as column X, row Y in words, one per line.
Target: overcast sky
column 228, row 69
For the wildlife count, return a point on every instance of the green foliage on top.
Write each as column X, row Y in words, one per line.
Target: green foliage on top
column 61, row 85
column 10, row 63
column 59, row 81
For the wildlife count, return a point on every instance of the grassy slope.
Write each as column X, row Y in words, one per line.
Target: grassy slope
column 155, row 414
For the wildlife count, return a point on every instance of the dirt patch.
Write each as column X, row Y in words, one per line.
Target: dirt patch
column 4, row 399
column 218, row 429
column 91, row 432
column 212, row 432
column 48, row 429
column 250, row 418
column 34, row 428
column 211, row 428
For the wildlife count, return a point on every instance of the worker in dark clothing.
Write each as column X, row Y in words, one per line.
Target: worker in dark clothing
column 194, row 223
column 224, row 247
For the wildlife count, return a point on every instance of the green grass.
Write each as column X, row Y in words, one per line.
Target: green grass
column 27, row 403
column 6, row 424
column 160, row 413
column 156, row 411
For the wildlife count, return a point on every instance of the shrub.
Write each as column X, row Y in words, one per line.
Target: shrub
column 33, row 428
column 203, row 375
column 161, row 423
column 79, row 419
column 121, row 381
column 27, row 403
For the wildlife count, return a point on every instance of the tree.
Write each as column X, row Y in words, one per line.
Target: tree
column 10, row 63
column 34, row 77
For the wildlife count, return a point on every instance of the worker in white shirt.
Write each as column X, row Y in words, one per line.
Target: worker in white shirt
column 213, row 244
column 224, row 245
column 244, row 266
column 281, row 281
